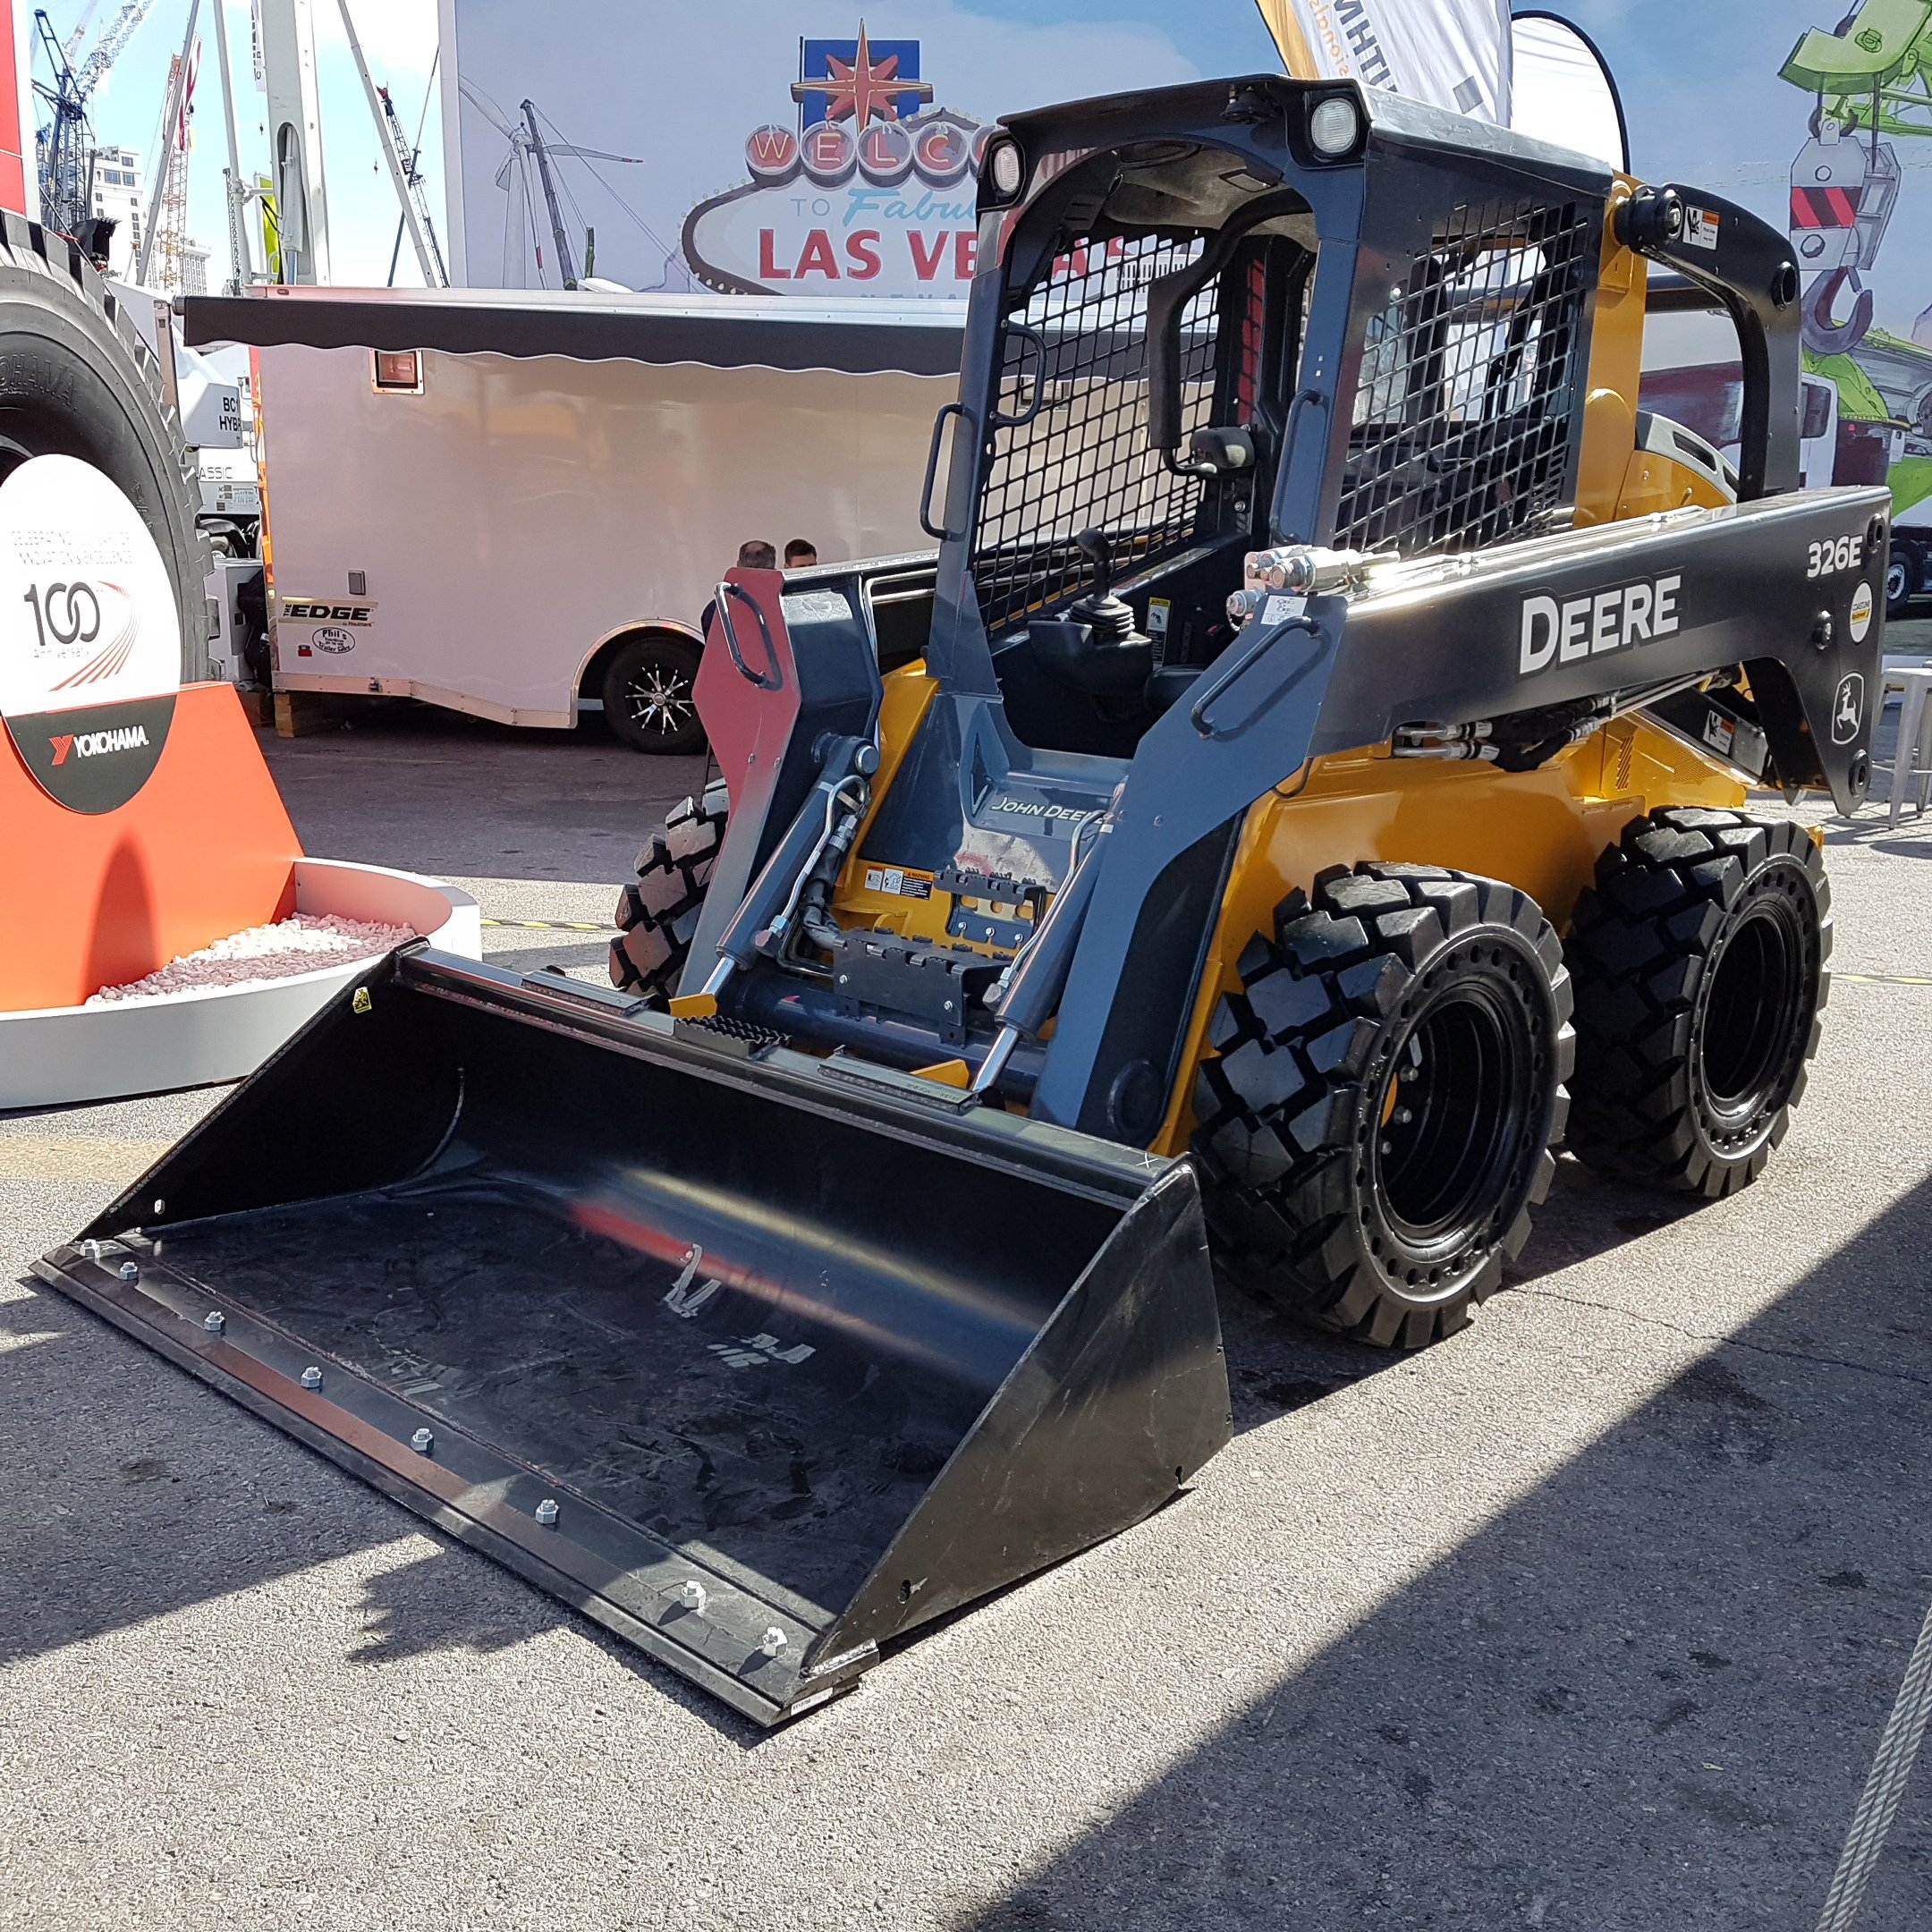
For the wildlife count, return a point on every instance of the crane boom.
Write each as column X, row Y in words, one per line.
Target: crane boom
column 564, row 265
column 109, row 47
column 413, row 175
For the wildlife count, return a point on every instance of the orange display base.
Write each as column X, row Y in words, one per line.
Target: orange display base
column 205, row 848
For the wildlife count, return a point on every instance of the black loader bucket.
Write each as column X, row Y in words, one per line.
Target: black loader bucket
column 756, row 1364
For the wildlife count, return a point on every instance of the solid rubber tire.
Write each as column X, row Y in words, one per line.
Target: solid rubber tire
column 657, row 912
column 1294, row 1110
column 1647, row 951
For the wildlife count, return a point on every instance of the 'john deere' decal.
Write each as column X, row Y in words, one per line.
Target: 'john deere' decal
column 90, row 641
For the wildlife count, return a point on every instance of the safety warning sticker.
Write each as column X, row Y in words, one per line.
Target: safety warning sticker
column 1700, row 227
column 898, row 879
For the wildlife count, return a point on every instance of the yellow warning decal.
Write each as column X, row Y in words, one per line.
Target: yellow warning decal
column 901, row 880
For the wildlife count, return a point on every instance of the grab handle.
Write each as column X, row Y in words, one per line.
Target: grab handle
column 726, row 591
column 1028, row 333
column 1241, row 667
column 1302, row 398
column 932, row 471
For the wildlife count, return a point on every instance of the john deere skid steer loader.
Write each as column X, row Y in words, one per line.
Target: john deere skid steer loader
column 1307, row 776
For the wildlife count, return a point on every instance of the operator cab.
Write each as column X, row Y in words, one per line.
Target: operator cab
column 1224, row 329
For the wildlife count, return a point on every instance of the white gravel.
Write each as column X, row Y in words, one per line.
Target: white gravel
column 304, row 944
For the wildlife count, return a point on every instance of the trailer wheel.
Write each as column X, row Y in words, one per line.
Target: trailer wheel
column 77, row 380
column 1900, row 581
column 648, row 693
column 1385, row 1096
column 659, row 914
column 1699, row 960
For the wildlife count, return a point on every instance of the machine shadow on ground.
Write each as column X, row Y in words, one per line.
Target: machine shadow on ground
column 176, row 1497
column 1647, row 1695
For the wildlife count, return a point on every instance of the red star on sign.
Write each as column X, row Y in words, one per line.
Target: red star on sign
column 860, row 92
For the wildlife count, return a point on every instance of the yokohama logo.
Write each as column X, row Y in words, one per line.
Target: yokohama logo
column 97, row 744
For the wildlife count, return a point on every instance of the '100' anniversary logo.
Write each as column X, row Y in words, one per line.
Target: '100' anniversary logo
column 90, row 655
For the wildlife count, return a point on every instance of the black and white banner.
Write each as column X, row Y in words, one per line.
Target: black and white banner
column 1453, row 54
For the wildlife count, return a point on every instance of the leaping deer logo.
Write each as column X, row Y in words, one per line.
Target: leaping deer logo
column 1848, row 708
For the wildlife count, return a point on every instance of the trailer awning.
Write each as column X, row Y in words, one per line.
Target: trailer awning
column 854, row 336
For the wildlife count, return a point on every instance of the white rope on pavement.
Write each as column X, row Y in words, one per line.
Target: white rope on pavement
column 1904, row 1731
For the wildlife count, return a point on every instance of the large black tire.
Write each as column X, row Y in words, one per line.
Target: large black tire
column 76, row 379
column 657, row 915
column 648, row 694
column 1385, row 1098
column 1699, row 962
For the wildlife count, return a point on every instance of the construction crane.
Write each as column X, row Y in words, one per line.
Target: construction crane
column 527, row 142
column 64, row 202
column 407, row 156
column 400, row 155
column 79, row 35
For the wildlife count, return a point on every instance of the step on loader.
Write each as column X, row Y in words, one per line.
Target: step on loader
column 1309, row 774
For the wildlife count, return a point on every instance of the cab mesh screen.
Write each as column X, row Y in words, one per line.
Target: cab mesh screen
column 1471, row 383
column 1069, row 439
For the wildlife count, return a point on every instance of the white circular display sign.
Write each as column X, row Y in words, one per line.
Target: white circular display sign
column 1861, row 613
column 90, row 637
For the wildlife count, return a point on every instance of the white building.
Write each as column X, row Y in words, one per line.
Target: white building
column 113, row 179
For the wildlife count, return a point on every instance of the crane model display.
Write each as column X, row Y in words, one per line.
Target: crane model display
column 528, row 143
column 64, row 201
column 1871, row 77
column 1870, row 81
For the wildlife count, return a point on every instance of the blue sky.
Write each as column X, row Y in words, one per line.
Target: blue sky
column 399, row 38
column 1699, row 79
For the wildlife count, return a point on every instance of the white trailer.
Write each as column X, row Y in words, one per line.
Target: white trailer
column 519, row 505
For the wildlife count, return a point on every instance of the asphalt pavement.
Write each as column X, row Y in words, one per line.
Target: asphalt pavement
column 1589, row 1618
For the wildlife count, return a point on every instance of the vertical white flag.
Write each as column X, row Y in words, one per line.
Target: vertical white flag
column 1453, row 54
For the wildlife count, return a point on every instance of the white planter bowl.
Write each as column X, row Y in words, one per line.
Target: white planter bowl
column 54, row 1055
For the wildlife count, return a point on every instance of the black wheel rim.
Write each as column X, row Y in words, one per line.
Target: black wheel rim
column 1454, row 1115
column 1754, row 1012
column 1895, row 583
column 658, row 701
